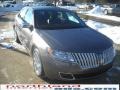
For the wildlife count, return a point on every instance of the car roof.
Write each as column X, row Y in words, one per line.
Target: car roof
column 49, row 8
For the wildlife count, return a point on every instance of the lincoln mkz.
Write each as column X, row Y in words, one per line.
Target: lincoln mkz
column 62, row 46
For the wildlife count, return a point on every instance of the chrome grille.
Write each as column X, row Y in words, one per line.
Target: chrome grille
column 92, row 60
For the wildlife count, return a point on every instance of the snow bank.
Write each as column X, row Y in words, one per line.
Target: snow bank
column 6, row 34
column 98, row 13
column 113, row 32
column 96, row 10
column 106, row 17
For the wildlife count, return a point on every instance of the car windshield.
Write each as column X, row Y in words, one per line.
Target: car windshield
column 53, row 19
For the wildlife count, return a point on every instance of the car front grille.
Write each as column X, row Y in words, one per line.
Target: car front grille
column 93, row 60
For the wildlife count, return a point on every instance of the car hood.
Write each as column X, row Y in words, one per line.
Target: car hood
column 76, row 40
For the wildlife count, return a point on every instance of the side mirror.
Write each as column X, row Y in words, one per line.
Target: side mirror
column 31, row 27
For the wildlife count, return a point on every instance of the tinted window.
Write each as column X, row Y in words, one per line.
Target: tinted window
column 53, row 19
column 118, row 6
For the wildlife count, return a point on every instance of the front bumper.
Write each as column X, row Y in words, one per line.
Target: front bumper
column 56, row 69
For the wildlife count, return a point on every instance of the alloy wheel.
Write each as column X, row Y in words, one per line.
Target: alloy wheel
column 37, row 62
column 105, row 12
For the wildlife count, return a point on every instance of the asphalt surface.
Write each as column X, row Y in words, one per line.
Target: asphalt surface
column 16, row 64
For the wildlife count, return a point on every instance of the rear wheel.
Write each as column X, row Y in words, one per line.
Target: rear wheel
column 16, row 36
column 37, row 63
column 105, row 12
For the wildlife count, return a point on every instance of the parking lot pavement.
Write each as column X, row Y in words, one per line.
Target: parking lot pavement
column 16, row 65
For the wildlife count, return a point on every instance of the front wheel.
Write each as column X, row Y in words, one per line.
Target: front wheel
column 37, row 63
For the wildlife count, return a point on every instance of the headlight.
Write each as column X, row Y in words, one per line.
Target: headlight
column 60, row 55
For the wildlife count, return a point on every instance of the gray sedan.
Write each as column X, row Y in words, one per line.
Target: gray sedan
column 61, row 44
column 113, row 9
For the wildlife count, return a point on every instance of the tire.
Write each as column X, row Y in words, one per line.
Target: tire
column 37, row 63
column 16, row 36
column 105, row 12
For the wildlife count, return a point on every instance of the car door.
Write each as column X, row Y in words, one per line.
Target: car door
column 27, row 27
column 117, row 10
column 19, row 22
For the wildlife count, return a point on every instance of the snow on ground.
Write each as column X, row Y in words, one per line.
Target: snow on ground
column 74, row 8
column 113, row 32
column 2, row 13
column 7, row 33
column 7, row 40
column 96, row 25
column 12, row 45
column 82, row 6
column 97, row 10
